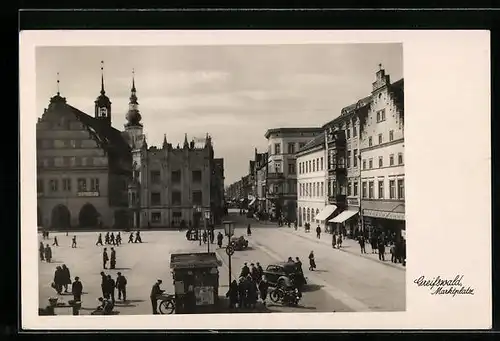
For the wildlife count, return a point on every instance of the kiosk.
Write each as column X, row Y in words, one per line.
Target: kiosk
column 196, row 282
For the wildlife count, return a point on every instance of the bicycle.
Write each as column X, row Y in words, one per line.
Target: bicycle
column 167, row 304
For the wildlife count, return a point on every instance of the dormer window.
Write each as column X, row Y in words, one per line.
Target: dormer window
column 103, row 112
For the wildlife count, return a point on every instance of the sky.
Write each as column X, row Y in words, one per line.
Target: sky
column 234, row 93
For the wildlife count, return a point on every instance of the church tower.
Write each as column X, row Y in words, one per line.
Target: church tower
column 102, row 103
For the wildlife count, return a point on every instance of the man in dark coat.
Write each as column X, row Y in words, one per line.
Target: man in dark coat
column 66, row 277
column 118, row 239
column 121, row 285
column 55, row 241
column 104, row 285
column 41, row 251
column 105, row 258
column 73, row 242
column 106, row 238
column 362, row 243
column 232, row 294
column 155, row 292
column 77, row 289
column 259, row 268
column 138, row 238
column 381, row 249
column 113, row 259
column 48, row 253
column 99, row 240
column 58, row 280
column 220, row 237
column 318, row 232
column 112, row 239
column 244, row 271
column 111, row 288
column 249, row 230
column 254, row 273
column 263, row 289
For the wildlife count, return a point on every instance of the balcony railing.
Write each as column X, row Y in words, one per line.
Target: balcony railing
column 275, row 176
column 88, row 194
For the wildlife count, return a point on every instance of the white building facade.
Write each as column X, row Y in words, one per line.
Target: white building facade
column 311, row 182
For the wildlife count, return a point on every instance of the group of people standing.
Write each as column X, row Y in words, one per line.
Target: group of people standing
column 62, row 279
column 105, row 258
column 379, row 242
column 45, row 252
column 245, row 292
column 108, row 286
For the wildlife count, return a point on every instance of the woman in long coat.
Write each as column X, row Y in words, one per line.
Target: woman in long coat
column 66, row 277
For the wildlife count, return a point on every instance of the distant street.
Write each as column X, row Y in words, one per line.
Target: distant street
column 342, row 282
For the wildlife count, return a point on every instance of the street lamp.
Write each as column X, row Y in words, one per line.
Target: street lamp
column 229, row 231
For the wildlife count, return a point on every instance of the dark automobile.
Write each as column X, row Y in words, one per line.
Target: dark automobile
column 289, row 269
column 239, row 243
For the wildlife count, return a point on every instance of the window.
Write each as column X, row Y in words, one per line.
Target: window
column 301, row 167
column 66, row 184
column 322, row 189
column 196, row 175
column 381, row 189
column 348, row 159
column 53, row 185
column 401, row 188
column 321, row 163
column 291, row 168
column 156, row 217
column 364, row 189
column 277, row 148
column 300, row 190
column 370, row 141
column 82, row 185
column 305, row 167
column 378, row 116
column 391, row 160
column 314, row 166
column 176, row 198
column 391, row 135
column 355, row 190
column 317, row 165
column 155, row 177
column 291, row 148
column 400, row 158
column 354, row 131
column 310, row 168
column 314, row 189
column 155, row 198
column 348, row 131
column 349, row 188
column 364, row 164
column 197, row 197
column 355, row 158
column 370, row 163
column 379, row 138
column 383, row 115
column 380, row 162
column 94, row 185
column 39, row 186
column 392, row 189
column 301, row 145
column 370, row 190
column 176, row 176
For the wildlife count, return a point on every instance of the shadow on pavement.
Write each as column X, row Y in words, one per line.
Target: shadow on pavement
column 319, row 270
column 311, row 287
column 120, row 269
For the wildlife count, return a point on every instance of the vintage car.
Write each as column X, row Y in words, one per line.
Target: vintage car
column 289, row 269
column 239, row 243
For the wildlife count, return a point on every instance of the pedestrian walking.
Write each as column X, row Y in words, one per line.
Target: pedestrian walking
column 299, row 264
column 138, row 238
column 393, row 251
column 211, row 234
column 220, row 237
column 249, row 230
column 106, row 238
column 55, row 243
column 58, row 280
column 121, row 285
column 48, row 253
column 73, row 242
column 77, row 289
column 113, row 259
column 131, row 237
column 105, row 258
column 373, row 242
column 204, row 236
column 339, row 241
column 111, row 288
column 112, row 239
column 260, row 270
column 334, row 241
column 118, row 239
column 318, row 232
column 65, row 277
column 41, row 251
column 99, row 240
column 312, row 263
column 155, row 292
column 245, row 270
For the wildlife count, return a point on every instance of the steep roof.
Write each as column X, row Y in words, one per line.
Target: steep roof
column 350, row 109
column 315, row 142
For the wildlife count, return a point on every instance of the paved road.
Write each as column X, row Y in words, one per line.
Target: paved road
column 358, row 283
column 143, row 263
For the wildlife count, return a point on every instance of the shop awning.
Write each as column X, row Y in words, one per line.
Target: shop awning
column 343, row 216
column 252, row 202
column 325, row 213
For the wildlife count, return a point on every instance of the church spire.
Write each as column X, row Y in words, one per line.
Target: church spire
column 133, row 116
column 133, row 80
column 165, row 144
column 186, row 143
column 102, row 78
